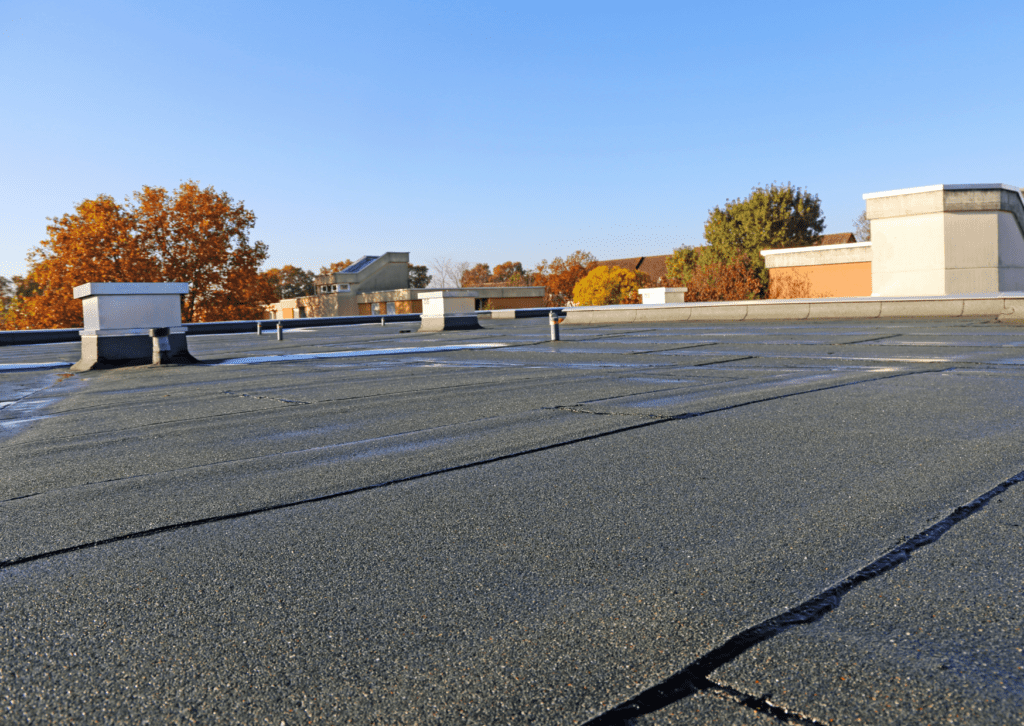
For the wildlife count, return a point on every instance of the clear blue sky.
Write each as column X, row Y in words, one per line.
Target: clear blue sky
column 492, row 131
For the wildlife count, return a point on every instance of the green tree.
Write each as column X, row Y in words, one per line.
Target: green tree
column 770, row 218
column 681, row 264
column 418, row 277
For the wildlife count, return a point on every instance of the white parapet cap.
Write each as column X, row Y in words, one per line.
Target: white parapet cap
column 939, row 188
column 844, row 246
column 91, row 289
column 446, row 293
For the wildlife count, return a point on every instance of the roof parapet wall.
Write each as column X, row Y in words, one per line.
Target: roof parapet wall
column 817, row 255
column 946, row 198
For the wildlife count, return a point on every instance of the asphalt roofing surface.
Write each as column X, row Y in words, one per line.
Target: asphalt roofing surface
column 717, row 523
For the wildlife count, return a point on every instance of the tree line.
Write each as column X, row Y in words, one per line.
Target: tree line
column 558, row 277
column 191, row 234
column 729, row 266
column 201, row 236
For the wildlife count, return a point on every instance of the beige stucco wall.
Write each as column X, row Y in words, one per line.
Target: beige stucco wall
column 908, row 255
column 947, row 240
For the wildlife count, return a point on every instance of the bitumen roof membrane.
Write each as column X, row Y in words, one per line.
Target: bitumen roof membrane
column 718, row 523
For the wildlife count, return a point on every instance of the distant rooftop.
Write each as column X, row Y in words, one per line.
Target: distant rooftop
column 654, row 266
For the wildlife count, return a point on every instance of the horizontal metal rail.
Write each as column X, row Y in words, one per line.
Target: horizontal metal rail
column 71, row 335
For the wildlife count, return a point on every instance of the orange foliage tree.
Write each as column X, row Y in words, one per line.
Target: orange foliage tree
column 609, row 286
column 479, row 274
column 715, row 278
column 193, row 235
column 511, row 273
column 289, row 281
column 334, row 267
column 559, row 277
column 507, row 273
column 97, row 243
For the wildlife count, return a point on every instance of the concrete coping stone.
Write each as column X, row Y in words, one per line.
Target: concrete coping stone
column 91, row 289
column 446, row 293
column 172, row 330
column 938, row 188
column 1000, row 305
column 815, row 248
column 811, row 301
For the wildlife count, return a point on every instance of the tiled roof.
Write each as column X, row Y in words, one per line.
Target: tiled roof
column 841, row 238
column 653, row 266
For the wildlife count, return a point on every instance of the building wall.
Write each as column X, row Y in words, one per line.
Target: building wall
column 947, row 239
column 839, row 270
column 402, row 307
column 909, row 255
column 287, row 309
column 487, row 298
column 852, row 279
column 389, row 271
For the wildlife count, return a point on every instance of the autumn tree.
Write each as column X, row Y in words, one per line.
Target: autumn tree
column 708, row 276
column 559, row 277
column 193, row 235
column 479, row 274
column 290, row 281
column 507, row 273
column 609, row 286
column 334, row 267
column 201, row 236
column 418, row 277
column 96, row 243
column 511, row 274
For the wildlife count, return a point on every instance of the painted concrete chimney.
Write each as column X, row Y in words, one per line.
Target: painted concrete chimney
column 946, row 239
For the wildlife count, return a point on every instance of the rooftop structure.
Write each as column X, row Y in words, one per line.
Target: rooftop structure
column 944, row 239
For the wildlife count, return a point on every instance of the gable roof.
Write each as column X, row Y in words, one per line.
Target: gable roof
column 841, row 238
column 653, row 266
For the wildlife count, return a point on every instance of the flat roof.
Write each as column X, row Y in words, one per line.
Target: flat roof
column 670, row 519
